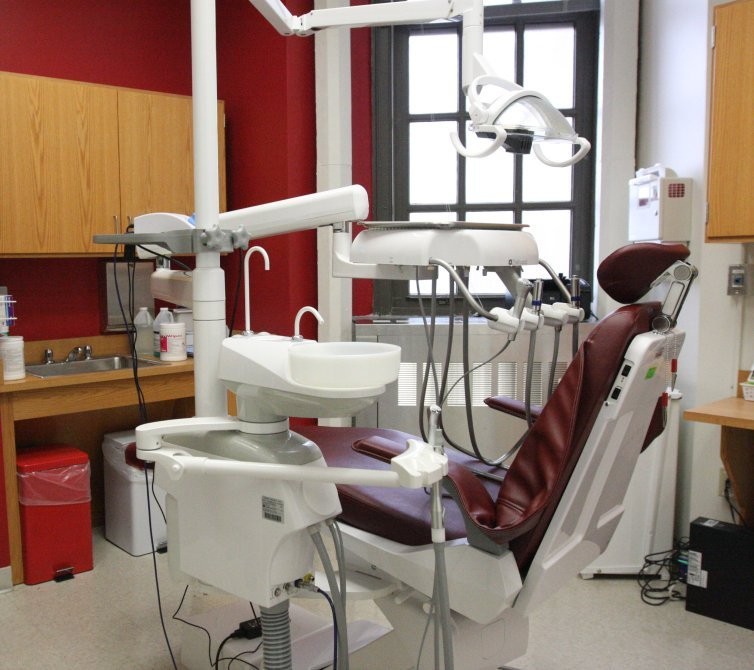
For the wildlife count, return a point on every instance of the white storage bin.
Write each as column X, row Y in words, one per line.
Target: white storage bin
column 126, row 520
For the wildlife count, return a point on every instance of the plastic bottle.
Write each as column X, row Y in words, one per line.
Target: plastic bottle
column 144, row 336
column 173, row 341
column 12, row 355
column 165, row 316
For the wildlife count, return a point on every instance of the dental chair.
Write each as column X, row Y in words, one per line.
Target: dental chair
column 515, row 535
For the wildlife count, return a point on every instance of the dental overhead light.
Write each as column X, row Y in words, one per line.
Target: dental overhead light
column 517, row 120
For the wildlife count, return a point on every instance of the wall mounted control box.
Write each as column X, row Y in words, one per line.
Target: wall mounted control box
column 659, row 206
column 720, row 579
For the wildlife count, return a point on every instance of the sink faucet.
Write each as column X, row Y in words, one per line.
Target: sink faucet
column 74, row 354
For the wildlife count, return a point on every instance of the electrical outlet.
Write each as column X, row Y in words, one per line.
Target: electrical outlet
column 722, row 482
column 737, row 280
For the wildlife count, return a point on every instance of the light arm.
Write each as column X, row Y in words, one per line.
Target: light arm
column 278, row 16
column 338, row 205
column 387, row 14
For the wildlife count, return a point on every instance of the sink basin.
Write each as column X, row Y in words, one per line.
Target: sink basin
column 344, row 365
column 275, row 377
column 105, row 364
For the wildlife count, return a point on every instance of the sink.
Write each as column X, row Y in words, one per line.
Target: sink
column 275, row 377
column 344, row 364
column 104, row 364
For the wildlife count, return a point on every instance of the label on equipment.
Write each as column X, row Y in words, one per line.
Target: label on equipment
column 695, row 575
column 273, row 509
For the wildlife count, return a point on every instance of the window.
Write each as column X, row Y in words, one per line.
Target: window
column 547, row 46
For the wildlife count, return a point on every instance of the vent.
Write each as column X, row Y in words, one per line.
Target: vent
column 505, row 374
column 676, row 189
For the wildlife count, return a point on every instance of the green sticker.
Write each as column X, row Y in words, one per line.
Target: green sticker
column 650, row 373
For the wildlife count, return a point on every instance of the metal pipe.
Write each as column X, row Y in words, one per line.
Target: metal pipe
column 464, row 291
column 209, row 279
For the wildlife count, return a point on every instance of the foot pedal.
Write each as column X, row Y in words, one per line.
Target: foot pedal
column 63, row 575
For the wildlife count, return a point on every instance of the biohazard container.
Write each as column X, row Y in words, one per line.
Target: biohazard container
column 127, row 492
column 55, row 509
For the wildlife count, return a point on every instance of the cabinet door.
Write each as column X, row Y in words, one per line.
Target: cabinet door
column 156, row 153
column 58, row 165
column 731, row 163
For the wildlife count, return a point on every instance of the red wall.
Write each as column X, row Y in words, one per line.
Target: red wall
column 267, row 82
column 115, row 43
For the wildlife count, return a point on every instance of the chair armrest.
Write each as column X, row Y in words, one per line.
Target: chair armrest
column 470, row 493
column 517, row 408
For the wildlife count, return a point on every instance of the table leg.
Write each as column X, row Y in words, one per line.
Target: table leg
column 11, row 486
column 737, row 454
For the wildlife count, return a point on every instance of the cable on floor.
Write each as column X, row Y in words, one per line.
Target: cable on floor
column 663, row 575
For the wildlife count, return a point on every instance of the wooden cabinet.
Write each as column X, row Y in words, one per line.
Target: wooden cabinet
column 58, row 164
column 80, row 159
column 156, row 151
column 731, row 161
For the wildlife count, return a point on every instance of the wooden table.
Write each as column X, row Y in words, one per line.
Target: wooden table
column 87, row 395
column 735, row 416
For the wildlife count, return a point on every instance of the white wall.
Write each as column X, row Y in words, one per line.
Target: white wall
column 616, row 125
column 672, row 129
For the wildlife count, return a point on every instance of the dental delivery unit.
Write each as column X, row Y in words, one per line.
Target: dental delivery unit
column 248, row 499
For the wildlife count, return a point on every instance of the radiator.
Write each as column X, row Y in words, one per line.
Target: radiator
column 399, row 406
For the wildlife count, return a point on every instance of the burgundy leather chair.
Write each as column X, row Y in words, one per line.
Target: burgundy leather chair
column 510, row 508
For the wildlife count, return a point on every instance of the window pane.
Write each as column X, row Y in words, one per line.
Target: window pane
column 488, row 179
column 492, row 3
column 433, row 163
column 500, row 50
column 549, row 62
column 433, row 73
column 502, row 216
column 542, row 183
column 552, row 231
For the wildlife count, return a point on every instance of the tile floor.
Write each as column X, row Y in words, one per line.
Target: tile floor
column 108, row 618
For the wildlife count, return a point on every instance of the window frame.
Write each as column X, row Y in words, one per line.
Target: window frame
column 391, row 133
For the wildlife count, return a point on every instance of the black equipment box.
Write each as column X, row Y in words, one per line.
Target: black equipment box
column 720, row 580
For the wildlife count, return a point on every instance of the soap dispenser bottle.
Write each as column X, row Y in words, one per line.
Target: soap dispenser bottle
column 165, row 316
column 144, row 336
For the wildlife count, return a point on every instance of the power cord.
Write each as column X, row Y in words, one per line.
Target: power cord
column 663, row 575
column 249, row 630
column 157, row 579
column 735, row 514
column 307, row 583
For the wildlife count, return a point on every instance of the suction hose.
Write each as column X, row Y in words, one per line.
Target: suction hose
column 276, row 632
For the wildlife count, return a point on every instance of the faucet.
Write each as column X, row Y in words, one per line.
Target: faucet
column 74, row 354
column 297, row 337
column 48, row 357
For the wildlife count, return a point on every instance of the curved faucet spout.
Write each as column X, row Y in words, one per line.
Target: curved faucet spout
column 247, row 257
column 297, row 323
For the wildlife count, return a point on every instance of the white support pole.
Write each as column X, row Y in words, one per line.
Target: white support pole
column 209, row 280
column 334, row 159
column 332, row 58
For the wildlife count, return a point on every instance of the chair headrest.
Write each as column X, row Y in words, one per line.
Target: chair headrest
column 627, row 274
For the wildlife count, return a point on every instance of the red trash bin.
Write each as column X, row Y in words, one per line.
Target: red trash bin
column 55, row 508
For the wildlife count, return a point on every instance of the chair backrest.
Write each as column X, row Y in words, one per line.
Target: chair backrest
column 532, row 489
column 544, row 464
